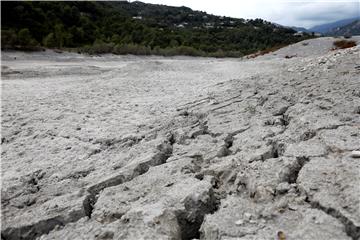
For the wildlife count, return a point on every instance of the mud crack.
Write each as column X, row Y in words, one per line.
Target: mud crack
column 191, row 218
column 351, row 229
column 164, row 152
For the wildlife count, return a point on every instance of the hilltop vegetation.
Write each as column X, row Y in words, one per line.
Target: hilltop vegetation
column 137, row 28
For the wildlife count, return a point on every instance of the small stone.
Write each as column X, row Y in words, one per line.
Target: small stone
column 239, row 222
column 283, row 187
column 184, row 113
column 106, row 235
column 355, row 154
column 318, row 221
column 247, row 216
column 30, row 201
column 280, row 111
column 292, row 207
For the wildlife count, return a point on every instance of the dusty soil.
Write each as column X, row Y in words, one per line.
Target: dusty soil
column 124, row 147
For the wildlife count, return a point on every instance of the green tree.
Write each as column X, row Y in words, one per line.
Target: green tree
column 50, row 41
column 8, row 38
column 25, row 38
column 59, row 35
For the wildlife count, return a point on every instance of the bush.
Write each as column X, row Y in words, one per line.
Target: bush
column 99, row 47
column 342, row 44
column 132, row 49
column 25, row 39
column 8, row 38
column 189, row 51
column 50, row 41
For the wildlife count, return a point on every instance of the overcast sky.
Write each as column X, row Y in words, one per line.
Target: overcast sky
column 304, row 13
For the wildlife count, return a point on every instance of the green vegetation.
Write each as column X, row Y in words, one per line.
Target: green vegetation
column 135, row 28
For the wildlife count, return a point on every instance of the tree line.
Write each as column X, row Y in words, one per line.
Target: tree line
column 135, row 28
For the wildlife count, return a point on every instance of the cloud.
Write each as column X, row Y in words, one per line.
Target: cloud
column 325, row 12
column 289, row 13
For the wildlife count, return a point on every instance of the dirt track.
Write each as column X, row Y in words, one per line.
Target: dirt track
column 123, row 147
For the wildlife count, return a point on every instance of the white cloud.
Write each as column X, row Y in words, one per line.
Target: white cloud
column 290, row 13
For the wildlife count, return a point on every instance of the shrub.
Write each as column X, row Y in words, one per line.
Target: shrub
column 8, row 38
column 99, row 47
column 342, row 44
column 132, row 49
column 25, row 39
column 189, row 51
column 50, row 41
column 218, row 54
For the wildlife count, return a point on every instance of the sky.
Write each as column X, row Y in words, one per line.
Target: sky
column 305, row 13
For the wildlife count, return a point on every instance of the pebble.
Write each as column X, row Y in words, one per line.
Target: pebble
column 247, row 216
column 239, row 222
column 355, row 154
column 283, row 187
column 292, row 207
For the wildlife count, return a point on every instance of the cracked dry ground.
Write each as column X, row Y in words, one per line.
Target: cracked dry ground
column 183, row 148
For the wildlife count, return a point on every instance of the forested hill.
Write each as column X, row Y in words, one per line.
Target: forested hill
column 138, row 28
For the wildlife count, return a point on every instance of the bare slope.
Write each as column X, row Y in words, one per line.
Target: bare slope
column 128, row 148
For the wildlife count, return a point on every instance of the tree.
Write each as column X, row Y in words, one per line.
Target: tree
column 59, row 35
column 50, row 41
column 25, row 38
column 8, row 38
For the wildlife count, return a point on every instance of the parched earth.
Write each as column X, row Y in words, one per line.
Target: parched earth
column 124, row 147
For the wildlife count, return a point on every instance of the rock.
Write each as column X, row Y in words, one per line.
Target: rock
column 309, row 148
column 355, row 154
column 283, row 187
column 296, row 224
column 342, row 171
column 239, row 222
column 280, row 111
column 247, row 216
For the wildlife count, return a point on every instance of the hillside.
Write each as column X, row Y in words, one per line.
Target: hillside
column 351, row 29
column 127, row 147
column 325, row 28
column 138, row 28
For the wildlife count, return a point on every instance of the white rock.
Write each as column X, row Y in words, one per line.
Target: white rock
column 247, row 216
column 239, row 222
column 355, row 154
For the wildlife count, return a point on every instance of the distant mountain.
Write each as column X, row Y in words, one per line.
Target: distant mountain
column 294, row 28
column 300, row 29
column 324, row 28
column 350, row 29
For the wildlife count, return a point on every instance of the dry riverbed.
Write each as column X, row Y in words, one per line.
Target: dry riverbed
column 125, row 147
